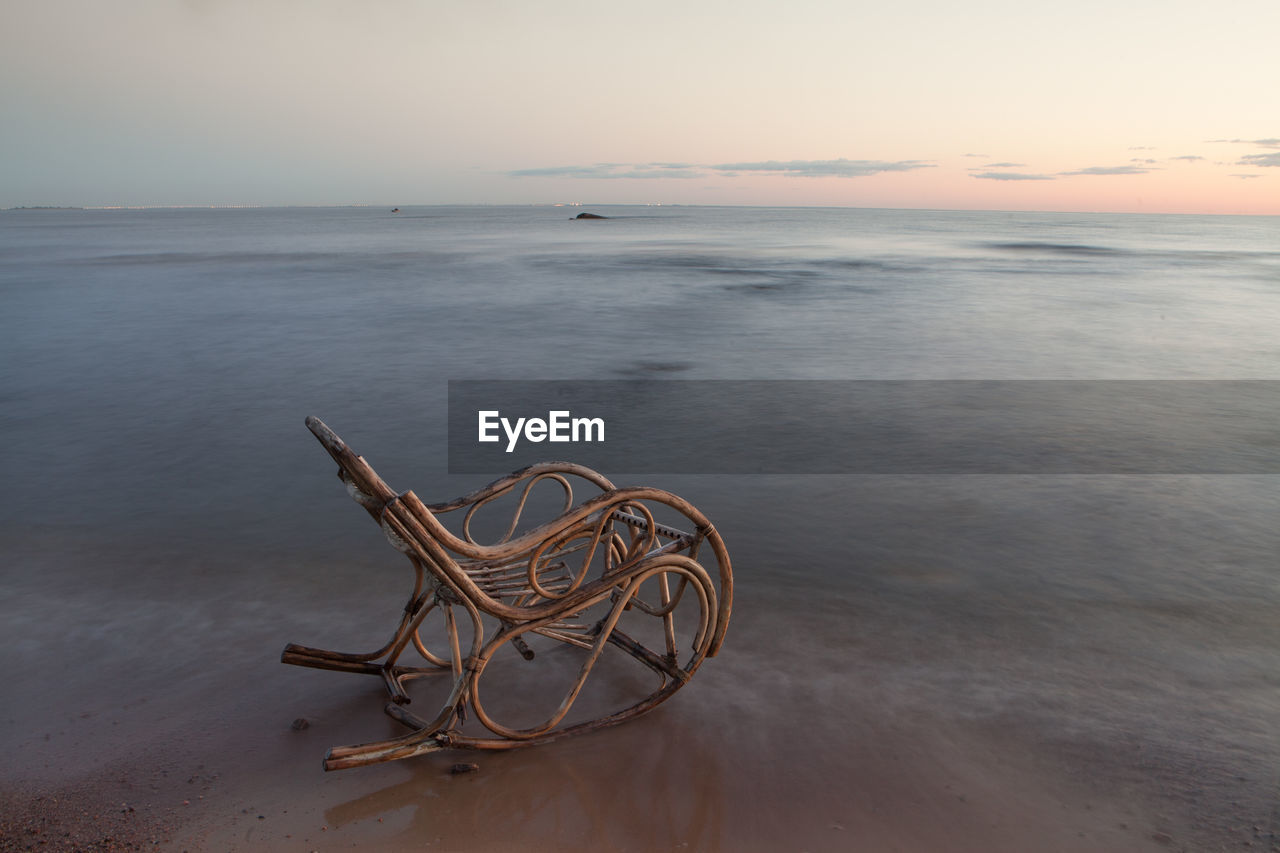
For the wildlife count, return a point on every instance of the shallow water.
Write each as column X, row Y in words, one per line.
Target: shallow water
column 165, row 500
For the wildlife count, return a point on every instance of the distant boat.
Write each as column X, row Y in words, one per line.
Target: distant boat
column 395, row 210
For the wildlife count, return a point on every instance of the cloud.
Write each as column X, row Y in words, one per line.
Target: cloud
column 1147, row 161
column 983, row 156
column 1187, row 157
column 1012, row 176
column 599, row 171
column 1239, row 175
column 610, row 170
column 1260, row 160
column 1272, row 142
column 1109, row 170
column 1004, row 165
column 1263, row 159
column 661, row 170
column 1142, row 148
column 841, row 168
column 678, row 174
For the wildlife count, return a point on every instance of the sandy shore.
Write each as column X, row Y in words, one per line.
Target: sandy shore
column 690, row 776
column 790, row 763
column 911, row 706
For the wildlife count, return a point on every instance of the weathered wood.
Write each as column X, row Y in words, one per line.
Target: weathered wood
column 599, row 553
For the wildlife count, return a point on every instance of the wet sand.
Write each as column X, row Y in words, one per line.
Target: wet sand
column 750, row 757
column 879, row 690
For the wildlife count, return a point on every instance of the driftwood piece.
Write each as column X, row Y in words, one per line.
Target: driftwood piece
column 570, row 580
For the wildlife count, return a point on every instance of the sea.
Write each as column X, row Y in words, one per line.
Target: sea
column 164, row 498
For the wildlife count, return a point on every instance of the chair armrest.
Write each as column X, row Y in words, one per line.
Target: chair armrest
column 503, row 485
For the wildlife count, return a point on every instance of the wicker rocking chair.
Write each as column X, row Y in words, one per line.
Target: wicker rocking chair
column 568, row 585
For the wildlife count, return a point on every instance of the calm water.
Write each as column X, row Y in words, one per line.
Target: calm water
column 156, row 366
column 146, row 352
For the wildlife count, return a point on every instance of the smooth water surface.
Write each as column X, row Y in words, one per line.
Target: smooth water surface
column 156, row 366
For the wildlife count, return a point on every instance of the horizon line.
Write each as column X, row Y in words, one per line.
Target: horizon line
column 550, row 204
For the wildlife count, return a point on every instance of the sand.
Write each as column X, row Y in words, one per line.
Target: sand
column 911, row 705
column 746, row 758
column 684, row 777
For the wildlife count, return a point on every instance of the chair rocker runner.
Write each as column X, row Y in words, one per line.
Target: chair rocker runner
column 573, row 580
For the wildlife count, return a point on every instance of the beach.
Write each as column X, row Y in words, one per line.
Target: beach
column 847, row 715
column 916, row 661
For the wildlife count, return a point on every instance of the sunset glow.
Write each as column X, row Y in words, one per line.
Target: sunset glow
column 1150, row 108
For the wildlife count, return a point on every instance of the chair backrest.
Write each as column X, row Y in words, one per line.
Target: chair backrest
column 363, row 483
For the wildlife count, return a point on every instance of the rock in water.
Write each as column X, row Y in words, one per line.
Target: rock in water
column 590, row 216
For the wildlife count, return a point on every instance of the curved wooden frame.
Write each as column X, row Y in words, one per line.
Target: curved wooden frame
column 598, row 553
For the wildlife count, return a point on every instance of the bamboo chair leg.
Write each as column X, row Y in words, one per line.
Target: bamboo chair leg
column 420, row 742
column 429, row 736
column 672, row 675
column 368, row 662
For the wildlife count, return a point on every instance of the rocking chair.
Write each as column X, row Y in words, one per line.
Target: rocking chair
column 568, row 584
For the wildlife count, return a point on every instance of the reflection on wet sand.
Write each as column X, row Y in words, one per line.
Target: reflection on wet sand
column 560, row 797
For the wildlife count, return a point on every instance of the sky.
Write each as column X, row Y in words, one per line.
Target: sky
column 1166, row 106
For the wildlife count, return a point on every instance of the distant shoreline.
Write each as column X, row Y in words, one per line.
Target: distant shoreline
column 256, row 206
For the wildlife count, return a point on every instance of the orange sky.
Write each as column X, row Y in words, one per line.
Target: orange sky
column 923, row 104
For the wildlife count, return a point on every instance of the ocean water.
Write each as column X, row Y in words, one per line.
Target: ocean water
column 169, row 339
column 156, row 367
